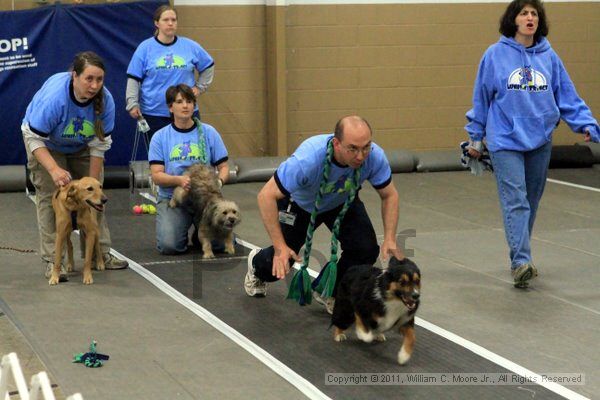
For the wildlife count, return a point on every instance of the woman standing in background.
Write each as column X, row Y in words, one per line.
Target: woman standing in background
column 162, row 61
column 521, row 92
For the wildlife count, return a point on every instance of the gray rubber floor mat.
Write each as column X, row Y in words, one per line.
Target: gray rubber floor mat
column 581, row 176
column 300, row 336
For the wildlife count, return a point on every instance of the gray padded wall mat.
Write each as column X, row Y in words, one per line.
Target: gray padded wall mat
column 233, row 171
column 260, row 169
column 12, row 178
column 116, row 177
column 139, row 173
column 436, row 161
column 401, row 160
column 595, row 148
column 257, row 169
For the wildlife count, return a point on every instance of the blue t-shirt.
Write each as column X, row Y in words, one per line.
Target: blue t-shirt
column 157, row 66
column 299, row 177
column 54, row 113
column 177, row 149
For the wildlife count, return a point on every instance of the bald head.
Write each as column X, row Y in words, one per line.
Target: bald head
column 353, row 121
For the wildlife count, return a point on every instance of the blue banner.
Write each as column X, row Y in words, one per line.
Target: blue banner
column 35, row 44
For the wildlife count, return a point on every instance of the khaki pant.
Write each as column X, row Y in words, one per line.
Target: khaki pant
column 78, row 164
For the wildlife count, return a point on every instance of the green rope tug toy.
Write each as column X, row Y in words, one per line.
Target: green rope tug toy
column 300, row 287
column 92, row 359
column 201, row 141
column 325, row 282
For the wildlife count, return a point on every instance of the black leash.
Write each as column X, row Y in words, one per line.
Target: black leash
column 17, row 249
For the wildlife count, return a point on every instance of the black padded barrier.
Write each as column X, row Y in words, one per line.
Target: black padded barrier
column 594, row 147
column 571, row 157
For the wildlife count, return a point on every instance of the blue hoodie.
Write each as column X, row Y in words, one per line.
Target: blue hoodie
column 520, row 94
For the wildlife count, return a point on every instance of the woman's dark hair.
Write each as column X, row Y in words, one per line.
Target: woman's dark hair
column 80, row 63
column 507, row 22
column 159, row 11
column 186, row 92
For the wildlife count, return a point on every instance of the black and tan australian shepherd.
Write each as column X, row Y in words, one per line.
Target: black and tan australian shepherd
column 377, row 300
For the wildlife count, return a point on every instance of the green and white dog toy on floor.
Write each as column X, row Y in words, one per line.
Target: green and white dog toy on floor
column 91, row 359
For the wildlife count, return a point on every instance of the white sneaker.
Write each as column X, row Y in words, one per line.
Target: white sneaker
column 254, row 287
column 328, row 302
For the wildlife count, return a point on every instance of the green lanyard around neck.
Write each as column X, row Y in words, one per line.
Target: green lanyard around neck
column 300, row 287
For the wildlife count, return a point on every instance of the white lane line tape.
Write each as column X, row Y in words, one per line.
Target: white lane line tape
column 304, row 386
column 499, row 360
column 593, row 189
column 475, row 348
column 219, row 260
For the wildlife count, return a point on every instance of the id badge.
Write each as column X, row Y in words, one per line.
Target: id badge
column 287, row 218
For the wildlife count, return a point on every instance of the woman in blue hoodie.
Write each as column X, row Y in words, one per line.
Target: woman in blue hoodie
column 521, row 91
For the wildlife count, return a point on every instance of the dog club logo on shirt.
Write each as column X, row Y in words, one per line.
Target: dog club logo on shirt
column 527, row 79
column 185, row 151
column 170, row 61
column 79, row 127
column 343, row 184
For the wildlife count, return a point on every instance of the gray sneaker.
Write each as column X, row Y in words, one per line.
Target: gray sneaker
column 112, row 262
column 253, row 286
column 63, row 277
column 523, row 274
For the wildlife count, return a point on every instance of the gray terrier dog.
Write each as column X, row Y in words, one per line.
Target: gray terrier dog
column 214, row 216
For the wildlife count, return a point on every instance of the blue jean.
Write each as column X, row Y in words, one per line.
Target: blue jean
column 521, row 178
column 172, row 227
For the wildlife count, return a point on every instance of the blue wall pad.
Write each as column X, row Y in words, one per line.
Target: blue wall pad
column 436, row 161
column 103, row 28
column 257, row 169
column 401, row 160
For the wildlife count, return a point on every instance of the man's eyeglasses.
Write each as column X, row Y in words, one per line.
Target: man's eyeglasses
column 355, row 150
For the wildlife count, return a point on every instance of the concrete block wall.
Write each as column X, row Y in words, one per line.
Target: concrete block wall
column 10, row 5
column 408, row 68
column 236, row 103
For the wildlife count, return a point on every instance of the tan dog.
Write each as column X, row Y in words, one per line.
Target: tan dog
column 82, row 196
column 214, row 216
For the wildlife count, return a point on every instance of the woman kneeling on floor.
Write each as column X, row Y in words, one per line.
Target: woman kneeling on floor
column 184, row 142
